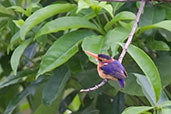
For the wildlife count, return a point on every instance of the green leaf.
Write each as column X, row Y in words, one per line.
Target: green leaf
column 107, row 7
column 68, row 99
column 148, row 67
column 10, row 80
column 151, row 15
column 114, row 36
column 163, row 24
column 56, row 84
column 147, row 88
column 14, row 40
column 65, row 23
column 42, row 14
column 158, row 45
column 27, row 91
column 95, row 5
column 130, row 82
column 164, row 68
column 125, row 15
column 85, row 79
column 4, row 12
column 52, row 109
column 93, row 44
column 165, row 104
column 163, row 98
column 62, row 50
column 19, row 9
column 18, row 23
column 15, row 58
column 82, row 5
column 106, row 105
column 41, row 108
column 75, row 104
column 117, row 5
column 89, row 110
column 136, row 110
column 166, row 110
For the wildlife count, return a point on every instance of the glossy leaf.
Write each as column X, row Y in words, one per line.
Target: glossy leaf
column 152, row 15
column 62, row 50
column 14, row 40
column 163, row 24
column 164, row 66
column 93, row 44
column 65, row 23
column 107, row 7
column 117, row 5
column 75, row 104
column 15, row 58
column 147, row 88
column 95, row 5
column 158, row 45
column 106, row 105
column 68, row 99
column 166, row 110
column 82, row 5
column 165, row 104
column 125, row 15
column 130, row 82
column 85, row 79
column 148, row 67
column 19, row 9
column 56, row 84
column 88, row 110
column 27, row 91
column 10, row 80
column 41, row 108
column 42, row 14
column 114, row 36
column 136, row 110
column 163, row 98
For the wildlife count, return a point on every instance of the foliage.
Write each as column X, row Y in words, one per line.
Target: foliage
column 43, row 65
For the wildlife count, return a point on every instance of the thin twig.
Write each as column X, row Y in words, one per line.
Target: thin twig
column 132, row 31
column 95, row 87
column 124, row 49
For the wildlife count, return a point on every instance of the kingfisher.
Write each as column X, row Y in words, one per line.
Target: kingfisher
column 109, row 68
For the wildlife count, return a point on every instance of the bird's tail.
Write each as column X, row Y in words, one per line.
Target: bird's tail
column 121, row 82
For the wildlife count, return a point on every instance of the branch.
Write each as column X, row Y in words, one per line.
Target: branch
column 132, row 31
column 95, row 87
column 124, row 49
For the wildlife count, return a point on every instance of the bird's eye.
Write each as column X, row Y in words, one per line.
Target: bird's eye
column 100, row 60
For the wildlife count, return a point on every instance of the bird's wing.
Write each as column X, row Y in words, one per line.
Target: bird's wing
column 114, row 69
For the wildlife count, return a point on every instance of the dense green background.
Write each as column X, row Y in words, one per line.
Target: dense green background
column 43, row 65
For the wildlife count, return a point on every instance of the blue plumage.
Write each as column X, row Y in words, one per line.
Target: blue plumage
column 116, row 70
column 121, row 82
column 108, row 68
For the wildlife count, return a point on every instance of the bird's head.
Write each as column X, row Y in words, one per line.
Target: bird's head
column 101, row 58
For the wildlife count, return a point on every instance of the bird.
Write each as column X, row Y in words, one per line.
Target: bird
column 109, row 68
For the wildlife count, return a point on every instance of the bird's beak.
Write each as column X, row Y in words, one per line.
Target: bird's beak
column 92, row 54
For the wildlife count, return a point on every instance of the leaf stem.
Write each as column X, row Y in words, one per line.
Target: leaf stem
column 100, row 24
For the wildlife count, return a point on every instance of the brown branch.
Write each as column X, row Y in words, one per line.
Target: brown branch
column 124, row 48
